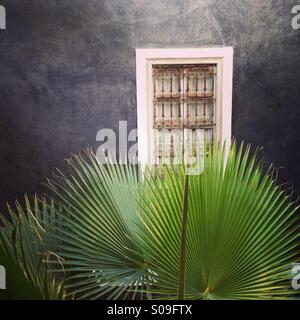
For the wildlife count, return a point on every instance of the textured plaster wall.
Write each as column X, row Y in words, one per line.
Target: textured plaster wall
column 67, row 69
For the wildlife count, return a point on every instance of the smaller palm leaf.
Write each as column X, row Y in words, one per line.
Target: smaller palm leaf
column 25, row 240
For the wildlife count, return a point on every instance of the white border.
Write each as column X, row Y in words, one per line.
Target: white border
column 223, row 56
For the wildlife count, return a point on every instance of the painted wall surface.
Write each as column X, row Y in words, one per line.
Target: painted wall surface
column 67, row 70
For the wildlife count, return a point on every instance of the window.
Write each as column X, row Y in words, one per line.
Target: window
column 183, row 103
column 183, row 99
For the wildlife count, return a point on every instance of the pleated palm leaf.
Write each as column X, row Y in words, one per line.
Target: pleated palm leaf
column 241, row 230
column 27, row 250
column 100, row 244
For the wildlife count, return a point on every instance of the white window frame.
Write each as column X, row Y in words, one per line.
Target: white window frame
column 145, row 58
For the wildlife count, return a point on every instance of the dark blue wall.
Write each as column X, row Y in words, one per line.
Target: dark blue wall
column 67, row 69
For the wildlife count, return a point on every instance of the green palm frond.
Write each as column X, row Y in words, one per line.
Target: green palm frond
column 26, row 242
column 229, row 232
column 241, row 233
column 100, row 247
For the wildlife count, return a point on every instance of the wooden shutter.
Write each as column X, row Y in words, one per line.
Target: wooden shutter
column 184, row 101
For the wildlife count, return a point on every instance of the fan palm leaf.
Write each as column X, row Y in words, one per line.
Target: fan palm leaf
column 100, row 247
column 242, row 230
